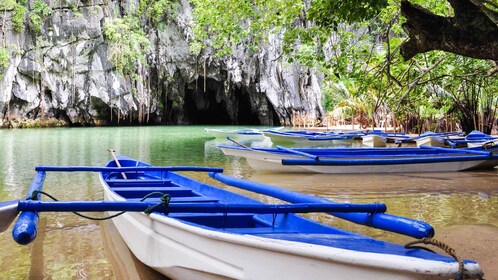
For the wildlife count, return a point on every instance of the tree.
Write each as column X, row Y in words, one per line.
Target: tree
column 472, row 30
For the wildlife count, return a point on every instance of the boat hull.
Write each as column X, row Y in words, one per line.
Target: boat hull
column 304, row 141
column 272, row 162
column 236, row 135
column 374, row 141
column 433, row 141
column 182, row 251
column 252, row 245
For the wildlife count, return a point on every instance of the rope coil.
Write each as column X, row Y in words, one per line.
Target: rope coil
column 450, row 251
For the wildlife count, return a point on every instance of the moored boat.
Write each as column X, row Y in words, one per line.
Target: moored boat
column 374, row 140
column 198, row 231
column 474, row 139
column 365, row 160
column 311, row 139
column 239, row 134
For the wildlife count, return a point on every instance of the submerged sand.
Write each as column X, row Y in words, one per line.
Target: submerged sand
column 476, row 242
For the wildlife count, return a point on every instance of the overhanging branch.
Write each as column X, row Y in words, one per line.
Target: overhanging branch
column 471, row 32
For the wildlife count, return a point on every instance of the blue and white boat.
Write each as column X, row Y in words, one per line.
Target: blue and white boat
column 303, row 138
column 365, row 160
column 379, row 138
column 474, row 139
column 192, row 230
column 248, row 134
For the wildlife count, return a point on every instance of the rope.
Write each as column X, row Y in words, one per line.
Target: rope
column 450, row 251
column 165, row 199
column 488, row 145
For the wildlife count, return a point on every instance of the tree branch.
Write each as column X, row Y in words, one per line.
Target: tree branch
column 471, row 32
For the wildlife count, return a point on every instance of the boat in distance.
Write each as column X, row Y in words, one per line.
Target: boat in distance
column 192, row 230
column 248, row 134
column 365, row 160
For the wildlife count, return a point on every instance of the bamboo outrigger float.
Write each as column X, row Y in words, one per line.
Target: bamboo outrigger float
column 192, row 228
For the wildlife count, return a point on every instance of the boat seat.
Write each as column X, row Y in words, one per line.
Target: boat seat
column 139, row 192
column 127, row 182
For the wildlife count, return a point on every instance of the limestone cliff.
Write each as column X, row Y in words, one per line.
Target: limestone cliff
column 62, row 75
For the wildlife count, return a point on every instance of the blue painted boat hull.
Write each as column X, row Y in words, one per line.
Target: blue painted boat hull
column 365, row 160
column 252, row 245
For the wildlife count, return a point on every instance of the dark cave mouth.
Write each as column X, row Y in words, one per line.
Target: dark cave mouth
column 202, row 107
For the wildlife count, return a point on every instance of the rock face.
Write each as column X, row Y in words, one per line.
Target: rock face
column 62, row 75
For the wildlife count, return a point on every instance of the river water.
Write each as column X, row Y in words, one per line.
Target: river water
column 71, row 247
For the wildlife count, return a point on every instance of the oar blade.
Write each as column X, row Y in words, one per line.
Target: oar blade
column 8, row 212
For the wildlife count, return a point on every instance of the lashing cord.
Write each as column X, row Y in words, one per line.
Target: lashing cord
column 450, row 251
column 165, row 199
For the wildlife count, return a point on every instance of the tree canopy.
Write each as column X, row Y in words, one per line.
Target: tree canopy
column 471, row 29
column 380, row 57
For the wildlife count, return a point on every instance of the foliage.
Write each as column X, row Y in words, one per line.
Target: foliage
column 18, row 15
column 4, row 57
column 332, row 13
column 355, row 44
column 128, row 43
column 223, row 24
column 156, row 10
column 39, row 11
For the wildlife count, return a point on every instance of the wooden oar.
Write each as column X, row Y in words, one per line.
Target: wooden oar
column 299, row 153
column 238, row 144
column 8, row 212
column 117, row 161
column 401, row 225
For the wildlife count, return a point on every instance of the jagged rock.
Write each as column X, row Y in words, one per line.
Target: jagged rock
column 64, row 73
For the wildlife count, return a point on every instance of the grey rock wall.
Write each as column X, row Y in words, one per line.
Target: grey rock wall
column 63, row 75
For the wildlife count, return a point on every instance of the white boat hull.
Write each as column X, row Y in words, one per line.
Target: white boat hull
column 223, row 134
column 183, row 251
column 374, row 141
column 300, row 141
column 480, row 144
column 434, row 141
column 263, row 161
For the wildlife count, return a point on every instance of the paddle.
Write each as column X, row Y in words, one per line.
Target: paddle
column 401, row 225
column 292, row 151
column 238, row 144
column 116, row 161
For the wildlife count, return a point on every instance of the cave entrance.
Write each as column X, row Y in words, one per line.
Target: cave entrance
column 200, row 107
column 245, row 116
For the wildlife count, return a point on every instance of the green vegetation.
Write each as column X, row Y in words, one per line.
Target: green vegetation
column 361, row 48
column 4, row 57
column 128, row 44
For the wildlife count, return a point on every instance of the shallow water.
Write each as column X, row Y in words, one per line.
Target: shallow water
column 71, row 247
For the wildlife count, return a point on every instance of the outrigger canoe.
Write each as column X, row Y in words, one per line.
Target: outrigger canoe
column 365, row 160
column 192, row 230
